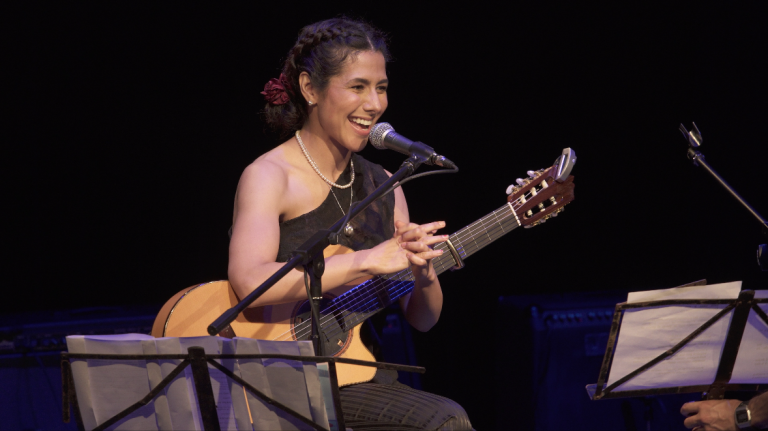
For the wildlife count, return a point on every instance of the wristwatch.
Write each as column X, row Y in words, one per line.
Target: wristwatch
column 743, row 417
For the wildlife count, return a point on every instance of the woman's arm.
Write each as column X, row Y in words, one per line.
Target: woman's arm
column 422, row 306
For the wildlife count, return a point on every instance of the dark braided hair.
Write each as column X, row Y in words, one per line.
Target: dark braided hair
column 321, row 50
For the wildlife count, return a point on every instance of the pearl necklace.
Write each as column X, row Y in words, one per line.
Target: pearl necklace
column 314, row 166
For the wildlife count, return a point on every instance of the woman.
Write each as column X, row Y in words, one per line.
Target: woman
column 332, row 89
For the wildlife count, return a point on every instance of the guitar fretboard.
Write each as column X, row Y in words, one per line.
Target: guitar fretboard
column 370, row 297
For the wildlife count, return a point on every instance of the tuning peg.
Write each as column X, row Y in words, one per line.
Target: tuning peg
column 520, row 181
column 531, row 174
column 511, row 189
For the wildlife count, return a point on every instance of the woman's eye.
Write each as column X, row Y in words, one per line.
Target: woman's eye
column 382, row 89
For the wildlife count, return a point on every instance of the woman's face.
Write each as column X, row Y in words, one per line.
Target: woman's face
column 354, row 100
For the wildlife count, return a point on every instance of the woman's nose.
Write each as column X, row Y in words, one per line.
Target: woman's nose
column 372, row 102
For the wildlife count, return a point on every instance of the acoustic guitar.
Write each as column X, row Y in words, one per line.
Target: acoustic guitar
column 531, row 201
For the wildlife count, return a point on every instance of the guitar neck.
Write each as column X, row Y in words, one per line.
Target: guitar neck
column 475, row 237
column 370, row 297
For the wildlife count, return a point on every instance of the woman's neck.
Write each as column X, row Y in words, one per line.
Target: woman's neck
column 331, row 157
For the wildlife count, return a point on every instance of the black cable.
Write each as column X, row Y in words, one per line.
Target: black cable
column 423, row 174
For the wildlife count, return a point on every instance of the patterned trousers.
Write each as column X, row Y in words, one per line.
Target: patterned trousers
column 386, row 404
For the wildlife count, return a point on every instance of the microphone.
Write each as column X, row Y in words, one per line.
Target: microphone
column 383, row 136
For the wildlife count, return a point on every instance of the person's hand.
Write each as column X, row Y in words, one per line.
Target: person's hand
column 712, row 415
column 417, row 241
column 408, row 247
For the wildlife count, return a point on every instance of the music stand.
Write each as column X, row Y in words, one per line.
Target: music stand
column 199, row 361
column 715, row 390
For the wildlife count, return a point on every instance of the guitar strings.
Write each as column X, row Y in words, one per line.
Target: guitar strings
column 468, row 232
column 405, row 276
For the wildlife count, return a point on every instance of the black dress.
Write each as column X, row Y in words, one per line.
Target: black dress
column 383, row 403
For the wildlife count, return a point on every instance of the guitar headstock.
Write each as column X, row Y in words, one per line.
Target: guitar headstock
column 545, row 192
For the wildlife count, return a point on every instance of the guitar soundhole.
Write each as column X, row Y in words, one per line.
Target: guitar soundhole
column 332, row 327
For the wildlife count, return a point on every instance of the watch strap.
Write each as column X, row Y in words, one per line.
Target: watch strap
column 743, row 417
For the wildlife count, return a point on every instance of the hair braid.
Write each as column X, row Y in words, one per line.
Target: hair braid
column 321, row 50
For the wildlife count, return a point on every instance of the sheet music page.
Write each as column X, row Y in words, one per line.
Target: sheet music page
column 314, row 388
column 116, row 385
column 155, row 377
column 76, row 344
column 239, row 402
column 219, row 381
column 647, row 333
column 752, row 361
column 252, row 371
column 181, row 395
column 288, row 382
column 183, row 407
column 325, row 386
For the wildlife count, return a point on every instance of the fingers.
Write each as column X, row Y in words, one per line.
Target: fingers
column 691, row 411
column 432, row 240
column 432, row 227
column 418, row 247
column 692, row 422
column 422, row 259
column 416, row 260
column 690, row 408
column 413, row 232
column 402, row 227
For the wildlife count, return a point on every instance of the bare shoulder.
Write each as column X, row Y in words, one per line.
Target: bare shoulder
column 269, row 172
column 271, row 165
column 263, row 181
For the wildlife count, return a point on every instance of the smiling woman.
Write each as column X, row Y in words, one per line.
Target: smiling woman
column 332, row 89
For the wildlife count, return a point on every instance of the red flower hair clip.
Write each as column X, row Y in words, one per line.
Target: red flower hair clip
column 275, row 90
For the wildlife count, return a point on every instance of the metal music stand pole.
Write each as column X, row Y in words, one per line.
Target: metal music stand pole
column 694, row 142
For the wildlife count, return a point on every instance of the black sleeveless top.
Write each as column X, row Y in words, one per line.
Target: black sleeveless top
column 373, row 226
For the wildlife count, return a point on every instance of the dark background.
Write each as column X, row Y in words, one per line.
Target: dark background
column 131, row 123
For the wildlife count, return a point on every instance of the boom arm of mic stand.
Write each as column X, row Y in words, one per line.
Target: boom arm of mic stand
column 313, row 247
column 694, row 142
column 698, row 159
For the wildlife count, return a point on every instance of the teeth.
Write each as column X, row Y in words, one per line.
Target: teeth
column 361, row 121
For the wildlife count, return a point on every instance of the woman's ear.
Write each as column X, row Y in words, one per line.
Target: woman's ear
column 305, row 84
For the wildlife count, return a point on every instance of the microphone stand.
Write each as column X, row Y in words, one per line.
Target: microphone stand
column 694, row 142
column 310, row 256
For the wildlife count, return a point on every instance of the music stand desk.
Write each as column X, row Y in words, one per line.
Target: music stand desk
column 714, row 390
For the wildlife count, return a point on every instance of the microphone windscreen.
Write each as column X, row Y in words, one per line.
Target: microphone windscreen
column 378, row 131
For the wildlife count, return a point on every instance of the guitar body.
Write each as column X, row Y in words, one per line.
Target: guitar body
column 189, row 312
